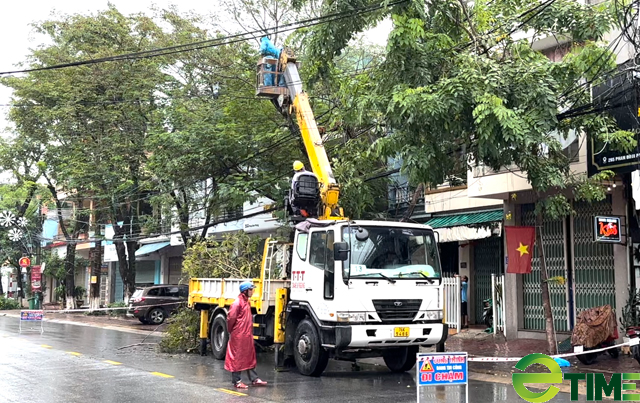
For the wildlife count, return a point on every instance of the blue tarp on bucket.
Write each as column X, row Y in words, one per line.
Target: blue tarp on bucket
column 268, row 50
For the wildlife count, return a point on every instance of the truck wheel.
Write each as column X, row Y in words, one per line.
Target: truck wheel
column 400, row 359
column 219, row 337
column 311, row 358
column 440, row 347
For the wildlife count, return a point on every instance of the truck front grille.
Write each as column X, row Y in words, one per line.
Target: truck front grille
column 397, row 310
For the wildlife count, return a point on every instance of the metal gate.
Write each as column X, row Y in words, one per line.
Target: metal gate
column 452, row 301
column 487, row 260
column 554, row 250
column 593, row 263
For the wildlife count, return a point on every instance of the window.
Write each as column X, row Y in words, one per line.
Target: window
column 172, row 292
column 399, row 253
column 301, row 246
column 321, row 256
column 184, row 292
column 156, row 292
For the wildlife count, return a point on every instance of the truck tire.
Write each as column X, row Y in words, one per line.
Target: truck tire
column 311, row 358
column 219, row 337
column 400, row 359
column 440, row 348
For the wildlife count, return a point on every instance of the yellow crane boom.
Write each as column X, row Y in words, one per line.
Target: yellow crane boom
column 291, row 99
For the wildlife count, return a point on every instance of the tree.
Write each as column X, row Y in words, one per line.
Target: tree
column 94, row 119
column 456, row 87
column 217, row 145
column 21, row 157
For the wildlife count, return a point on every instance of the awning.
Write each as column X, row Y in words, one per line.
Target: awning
column 151, row 247
column 467, row 226
column 466, row 219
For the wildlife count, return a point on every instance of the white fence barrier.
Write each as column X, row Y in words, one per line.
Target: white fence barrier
column 498, row 303
column 452, row 302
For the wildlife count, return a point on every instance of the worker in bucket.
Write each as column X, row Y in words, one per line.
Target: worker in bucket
column 241, row 353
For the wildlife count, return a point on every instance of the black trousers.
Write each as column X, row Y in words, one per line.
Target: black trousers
column 237, row 376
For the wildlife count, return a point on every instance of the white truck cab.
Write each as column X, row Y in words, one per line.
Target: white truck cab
column 370, row 288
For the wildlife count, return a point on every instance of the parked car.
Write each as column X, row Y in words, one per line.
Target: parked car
column 152, row 305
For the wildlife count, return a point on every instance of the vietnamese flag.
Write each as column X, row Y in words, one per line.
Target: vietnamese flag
column 520, row 241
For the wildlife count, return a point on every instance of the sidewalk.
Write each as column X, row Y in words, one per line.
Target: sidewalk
column 103, row 321
column 480, row 344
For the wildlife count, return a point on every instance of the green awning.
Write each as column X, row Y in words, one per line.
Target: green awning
column 465, row 219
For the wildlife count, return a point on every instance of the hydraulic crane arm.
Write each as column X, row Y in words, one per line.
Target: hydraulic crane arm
column 299, row 103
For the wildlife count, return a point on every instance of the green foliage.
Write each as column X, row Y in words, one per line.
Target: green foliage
column 182, row 334
column 454, row 88
column 237, row 255
column 54, row 267
column 360, row 198
column 8, row 303
column 630, row 313
column 119, row 312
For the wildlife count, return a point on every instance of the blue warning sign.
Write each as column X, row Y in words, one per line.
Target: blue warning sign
column 442, row 369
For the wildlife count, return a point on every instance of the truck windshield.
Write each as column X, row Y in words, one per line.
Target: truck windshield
column 399, row 253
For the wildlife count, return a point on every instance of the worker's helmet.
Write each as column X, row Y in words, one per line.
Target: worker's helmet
column 297, row 165
column 247, row 285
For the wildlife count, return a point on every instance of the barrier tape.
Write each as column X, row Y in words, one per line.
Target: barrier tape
column 105, row 309
column 632, row 342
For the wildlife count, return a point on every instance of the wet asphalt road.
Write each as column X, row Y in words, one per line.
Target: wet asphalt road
column 74, row 364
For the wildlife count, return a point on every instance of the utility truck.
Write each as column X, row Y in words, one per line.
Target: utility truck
column 338, row 288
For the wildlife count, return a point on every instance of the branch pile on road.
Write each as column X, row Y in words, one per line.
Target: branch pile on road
column 182, row 332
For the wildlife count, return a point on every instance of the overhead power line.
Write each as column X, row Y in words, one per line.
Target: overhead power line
column 208, row 43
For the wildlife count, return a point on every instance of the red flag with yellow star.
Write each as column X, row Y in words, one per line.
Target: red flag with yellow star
column 520, row 241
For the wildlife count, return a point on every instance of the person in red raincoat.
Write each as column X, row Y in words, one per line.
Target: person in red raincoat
column 241, row 353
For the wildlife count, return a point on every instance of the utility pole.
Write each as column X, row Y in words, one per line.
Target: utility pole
column 96, row 266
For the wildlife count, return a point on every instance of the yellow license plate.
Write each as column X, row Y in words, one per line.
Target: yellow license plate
column 400, row 332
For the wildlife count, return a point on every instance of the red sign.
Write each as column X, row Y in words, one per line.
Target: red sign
column 36, row 279
column 25, row 262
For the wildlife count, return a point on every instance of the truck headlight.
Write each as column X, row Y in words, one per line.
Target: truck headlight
column 433, row 315
column 351, row 316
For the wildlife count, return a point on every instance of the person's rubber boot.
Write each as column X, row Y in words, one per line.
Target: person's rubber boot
column 259, row 382
column 241, row 385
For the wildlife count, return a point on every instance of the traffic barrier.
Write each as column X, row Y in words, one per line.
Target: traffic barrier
column 632, row 342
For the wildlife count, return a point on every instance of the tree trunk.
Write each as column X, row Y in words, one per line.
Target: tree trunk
column 70, row 272
column 130, row 284
column 96, row 265
column 1, row 289
column 20, row 282
column 544, row 285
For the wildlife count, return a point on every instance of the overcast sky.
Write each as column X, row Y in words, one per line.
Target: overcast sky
column 18, row 36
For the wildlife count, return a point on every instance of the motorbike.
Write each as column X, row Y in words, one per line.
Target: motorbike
column 487, row 314
column 633, row 332
column 596, row 328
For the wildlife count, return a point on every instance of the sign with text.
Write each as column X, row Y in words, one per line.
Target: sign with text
column 36, row 279
column 442, row 369
column 607, row 229
column 31, row 315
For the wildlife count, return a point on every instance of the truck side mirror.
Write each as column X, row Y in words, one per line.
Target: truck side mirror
column 340, row 251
